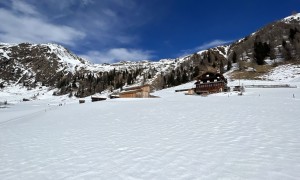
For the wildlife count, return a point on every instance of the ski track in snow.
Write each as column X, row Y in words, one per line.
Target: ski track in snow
column 223, row 136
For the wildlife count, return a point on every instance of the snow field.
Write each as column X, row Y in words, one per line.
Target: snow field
column 223, row 136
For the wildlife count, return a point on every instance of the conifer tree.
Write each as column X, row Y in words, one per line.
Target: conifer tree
column 234, row 57
column 196, row 71
column 221, row 67
column 261, row 51
column 229, row 65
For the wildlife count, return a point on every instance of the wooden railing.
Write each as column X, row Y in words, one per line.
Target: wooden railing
column 271, row 86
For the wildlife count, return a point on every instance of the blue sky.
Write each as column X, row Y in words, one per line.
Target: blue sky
column 114, row 30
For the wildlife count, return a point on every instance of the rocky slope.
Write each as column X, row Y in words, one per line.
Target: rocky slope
column 35, row 65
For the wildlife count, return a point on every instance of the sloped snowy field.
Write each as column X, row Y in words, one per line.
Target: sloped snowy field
column 222, row 136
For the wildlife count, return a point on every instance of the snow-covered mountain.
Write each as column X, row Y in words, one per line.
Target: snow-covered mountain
column 37, row 65
column 50, row 64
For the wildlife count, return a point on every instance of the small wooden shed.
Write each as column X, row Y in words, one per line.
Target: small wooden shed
column 136, row 92
column 96, row 98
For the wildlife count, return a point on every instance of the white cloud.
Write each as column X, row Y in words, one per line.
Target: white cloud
column 213, row 43
column 22, row 7
column 117, row 54
column 65, row 5
column 23, row 23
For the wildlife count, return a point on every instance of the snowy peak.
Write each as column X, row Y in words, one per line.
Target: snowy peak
column 69, row 60
column 52, row 52
column 292, row 19
column 30, row 64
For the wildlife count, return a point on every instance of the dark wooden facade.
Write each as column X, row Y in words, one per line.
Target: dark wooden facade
column 210, row 82
column 95, row 98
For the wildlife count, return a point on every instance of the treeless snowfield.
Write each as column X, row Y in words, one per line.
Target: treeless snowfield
column 222, row 136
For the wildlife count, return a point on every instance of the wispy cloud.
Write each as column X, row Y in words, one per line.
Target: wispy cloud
column 64, row 5
column 68, row 21
column 117, row 54
column 213, row 43
column 204, row 46
column 23, row 23
column 24, row 8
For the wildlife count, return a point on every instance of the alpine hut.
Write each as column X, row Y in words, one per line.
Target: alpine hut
column 210, row 82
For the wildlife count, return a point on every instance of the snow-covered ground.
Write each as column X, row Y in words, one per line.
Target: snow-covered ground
column 221, row 136
column 285, row 73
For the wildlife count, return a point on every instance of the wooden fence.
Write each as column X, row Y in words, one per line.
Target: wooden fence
column 271, row 86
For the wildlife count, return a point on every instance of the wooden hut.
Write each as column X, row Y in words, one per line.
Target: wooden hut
column 210, row 82
column 136, row 92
